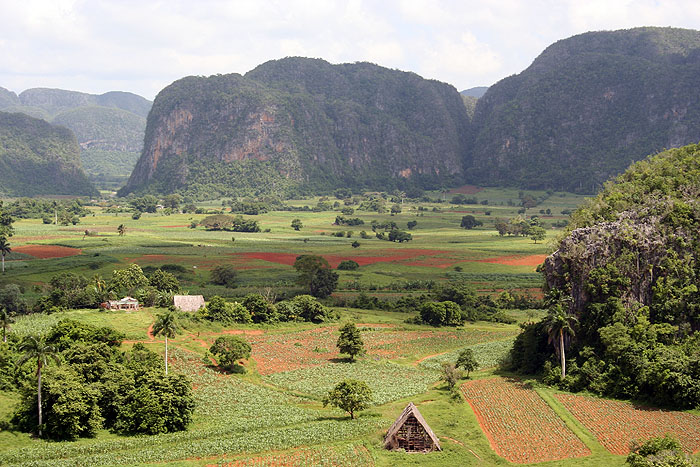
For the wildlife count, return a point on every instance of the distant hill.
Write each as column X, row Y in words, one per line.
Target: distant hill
column 586, row 108
column 8, row 98
column 109, row 126
column 56, row 101
column 302, row 124
column 475, row 92
column 37, row 158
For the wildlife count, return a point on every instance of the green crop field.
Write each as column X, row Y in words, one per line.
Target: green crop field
column 273, row 413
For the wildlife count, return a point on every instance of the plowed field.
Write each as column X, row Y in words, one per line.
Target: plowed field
column 617, row 424
column 519, row 424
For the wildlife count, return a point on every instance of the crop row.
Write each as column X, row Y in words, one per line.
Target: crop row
column 164, row 448
column 618, row 424
column 519, row 424
column 388, row 381
column 346, row 456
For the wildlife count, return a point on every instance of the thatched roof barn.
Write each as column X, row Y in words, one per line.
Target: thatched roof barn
column 411, row 433
column 190, row 303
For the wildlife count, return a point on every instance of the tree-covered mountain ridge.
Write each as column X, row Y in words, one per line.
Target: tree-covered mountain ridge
column 109, row 127
column 301, row 123
column 38, row 158
column 586, row 108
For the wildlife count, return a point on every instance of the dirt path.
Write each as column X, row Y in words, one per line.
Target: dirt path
column 419, row 361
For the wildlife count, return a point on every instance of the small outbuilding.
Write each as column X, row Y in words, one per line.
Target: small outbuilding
column 126, row 303
column 411, row 433
column 190, row 303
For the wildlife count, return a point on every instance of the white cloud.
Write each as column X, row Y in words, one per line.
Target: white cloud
column 141, row 45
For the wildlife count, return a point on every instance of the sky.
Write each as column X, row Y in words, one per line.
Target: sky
column 141, row 46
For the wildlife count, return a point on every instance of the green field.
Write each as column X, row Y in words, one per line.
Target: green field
column 272, row 414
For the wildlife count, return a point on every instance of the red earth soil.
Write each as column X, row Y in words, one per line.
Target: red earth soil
column 47, row 251
column 334, row 260
column 466, row 190
column 519, row 424
column 247, row 332
column 532, row 260
column 617, row 424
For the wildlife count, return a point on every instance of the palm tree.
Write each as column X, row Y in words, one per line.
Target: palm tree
column 560, row 328
column 5, row 320
column 121, row 229
column 4, row 250
column 35, row 348
column 166, row 325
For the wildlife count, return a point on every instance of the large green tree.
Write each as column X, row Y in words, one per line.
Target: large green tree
column 350, row 341
column 230, row 349
column 35, row 348
column 349, row 395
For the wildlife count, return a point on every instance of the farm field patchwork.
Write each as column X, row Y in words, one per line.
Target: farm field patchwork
column 519, row 424
column 279, row 352
column 617, row 424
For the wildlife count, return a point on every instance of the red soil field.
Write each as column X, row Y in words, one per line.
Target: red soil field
column 334, row 260
column 532, row 260
column 519, row 424
column 47, row 251
column 617, row 424
column 466, row 190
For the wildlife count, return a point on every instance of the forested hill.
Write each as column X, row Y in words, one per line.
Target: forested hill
column 300, row 123
column 628, row 271
column 109, row 126
column 586, row 108
column 37, row 158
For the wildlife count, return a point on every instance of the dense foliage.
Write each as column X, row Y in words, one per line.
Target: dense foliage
column 586, row 107
column 96, row 385
column 256, row 308
column 628, row 272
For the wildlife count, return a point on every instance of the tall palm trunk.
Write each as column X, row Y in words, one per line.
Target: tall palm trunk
column 563, row 357
column 38, row 394
column 3, row 263
column 166, row 355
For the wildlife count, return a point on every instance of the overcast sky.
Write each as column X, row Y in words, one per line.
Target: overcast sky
column 142, row 46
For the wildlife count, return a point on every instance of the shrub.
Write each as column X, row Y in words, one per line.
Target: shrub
column 348, row 265
column 230, row 349
column 224, row 274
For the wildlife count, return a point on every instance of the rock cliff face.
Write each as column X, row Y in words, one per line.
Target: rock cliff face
column 586, row 108
column 302, row 123
column 638, row 241
column 37, row 158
